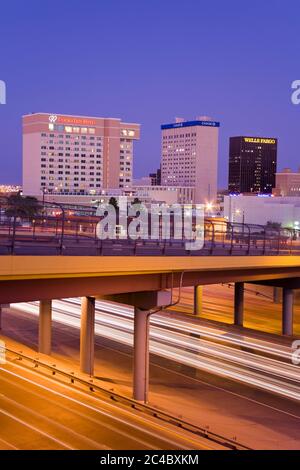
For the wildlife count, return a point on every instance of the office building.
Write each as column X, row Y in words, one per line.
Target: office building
column 287, row 183
column 190, row 156
column 75, row 155
column 155, row 178
column 252, row 164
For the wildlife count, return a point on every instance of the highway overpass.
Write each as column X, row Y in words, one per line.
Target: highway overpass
column 145, row 282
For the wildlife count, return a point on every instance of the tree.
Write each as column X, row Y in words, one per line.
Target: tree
column 136, row 201
column 113, row 202
column 19, row 206
column 273, row 225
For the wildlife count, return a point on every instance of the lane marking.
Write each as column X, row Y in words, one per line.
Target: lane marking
column 50, row 420
column 35, row 429
column 8, row 444
column 97, row 410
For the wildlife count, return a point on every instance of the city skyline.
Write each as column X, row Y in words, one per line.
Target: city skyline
column 148, row 81
column 149, row 230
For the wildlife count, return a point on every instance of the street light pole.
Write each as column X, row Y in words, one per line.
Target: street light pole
column 44, row 190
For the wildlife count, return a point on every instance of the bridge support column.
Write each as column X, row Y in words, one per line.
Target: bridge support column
column 239, row 303
column 45, row 327
column 287, row 311
column 276, row 295
column 87, row 335
column 198, row 300
column 141, row 355
column 143, row 303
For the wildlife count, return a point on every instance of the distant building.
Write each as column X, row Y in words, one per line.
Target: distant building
column 166, row 194
column 155, row 178
column 143, row 181
column 190, row 156
column 261, row 209
column 252, row 164
column 287, row 183
column 10, row 188
column 76, row 155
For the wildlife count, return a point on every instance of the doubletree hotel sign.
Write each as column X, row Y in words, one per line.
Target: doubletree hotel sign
column 53, row 118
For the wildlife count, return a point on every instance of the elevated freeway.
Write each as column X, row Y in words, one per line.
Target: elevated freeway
column 50, row 257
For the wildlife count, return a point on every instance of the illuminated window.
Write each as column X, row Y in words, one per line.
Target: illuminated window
column 92, row 130
column 68, row 129
column 51, row 127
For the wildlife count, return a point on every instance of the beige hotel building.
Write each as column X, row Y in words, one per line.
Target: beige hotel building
column 76, row 155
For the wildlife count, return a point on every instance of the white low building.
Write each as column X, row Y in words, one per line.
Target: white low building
column 167, row 194
column 263, row 209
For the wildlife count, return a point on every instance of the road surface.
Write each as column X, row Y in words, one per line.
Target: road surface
column 192, row 345
column 37, row 412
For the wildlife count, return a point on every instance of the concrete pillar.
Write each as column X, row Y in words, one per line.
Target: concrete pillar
column 287, row 311
column 276, row 295
column 87, row 335
column 239, row 303
column 141, row 355
column 45, row 320
column 198, row 299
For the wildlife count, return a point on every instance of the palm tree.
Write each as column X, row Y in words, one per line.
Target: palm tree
column 114, row 202
column 19, row 206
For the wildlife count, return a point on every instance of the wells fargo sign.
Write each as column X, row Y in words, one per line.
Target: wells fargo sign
column 258, row 140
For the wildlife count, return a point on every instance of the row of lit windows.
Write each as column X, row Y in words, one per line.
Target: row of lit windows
column 71, row 129
column 75, row 185
column 179, row 136
column 68, row 136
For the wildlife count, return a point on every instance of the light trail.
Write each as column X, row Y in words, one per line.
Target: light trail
column 116, row 323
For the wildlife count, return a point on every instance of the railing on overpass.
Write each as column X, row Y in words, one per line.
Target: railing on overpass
column 63, row 231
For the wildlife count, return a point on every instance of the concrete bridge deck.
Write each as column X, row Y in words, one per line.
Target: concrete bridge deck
column 25, row 278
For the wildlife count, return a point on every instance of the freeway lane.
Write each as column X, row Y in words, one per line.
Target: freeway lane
column 264, row 372
column 222, row 335
column 258, row 419
column 261, row 313
column 40, row 413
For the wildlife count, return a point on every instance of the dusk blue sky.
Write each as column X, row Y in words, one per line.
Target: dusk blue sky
column 149, row 61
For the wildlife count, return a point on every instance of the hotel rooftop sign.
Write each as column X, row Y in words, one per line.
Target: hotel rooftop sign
column 190, row 124
column 71, row 120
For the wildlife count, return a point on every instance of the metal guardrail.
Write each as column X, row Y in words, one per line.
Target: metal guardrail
column 63, row 231
column 227, row 443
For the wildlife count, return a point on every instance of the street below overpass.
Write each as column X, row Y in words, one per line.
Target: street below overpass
column 249, row 360
column 224, row 404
